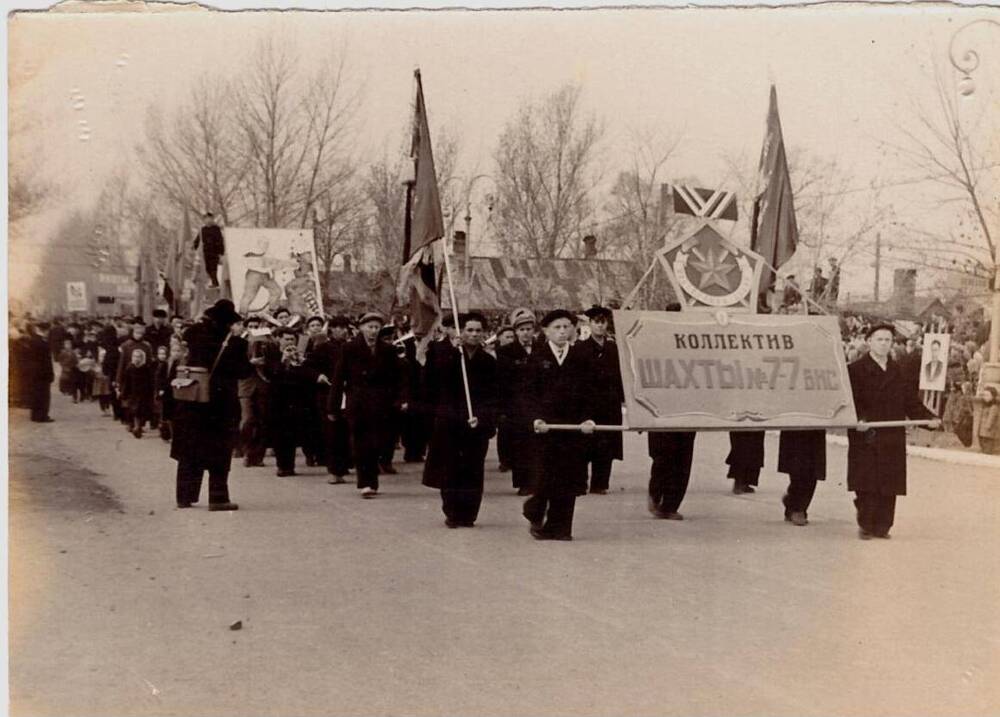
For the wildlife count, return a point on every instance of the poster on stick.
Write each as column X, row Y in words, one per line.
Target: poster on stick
column 273, row 268
column 934, row 362
column 733, row 371
column 76, row 296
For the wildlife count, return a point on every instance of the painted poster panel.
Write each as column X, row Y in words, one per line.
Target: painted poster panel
column 76, row 296
column 273, row 268
column 733, row 371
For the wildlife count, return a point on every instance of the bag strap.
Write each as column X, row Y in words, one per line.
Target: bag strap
column 218, row 356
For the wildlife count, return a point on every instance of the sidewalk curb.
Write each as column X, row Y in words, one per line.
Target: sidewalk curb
column 944, row 455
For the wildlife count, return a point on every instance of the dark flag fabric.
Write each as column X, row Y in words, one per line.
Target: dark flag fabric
column 773, row 231
column 424, row 225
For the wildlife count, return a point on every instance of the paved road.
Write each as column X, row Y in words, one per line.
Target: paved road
column 121, row 604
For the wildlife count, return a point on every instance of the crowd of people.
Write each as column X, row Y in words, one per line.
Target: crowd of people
column 347, row 393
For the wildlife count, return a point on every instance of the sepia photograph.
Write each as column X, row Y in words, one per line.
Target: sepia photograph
column 491, row 361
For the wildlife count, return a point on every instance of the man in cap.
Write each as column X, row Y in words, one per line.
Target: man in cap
column 515, row 425
column 459, row 441
column 158, row 333
column 876, row 457
column 292, row 400
column 558, row 370
column 254, row 391
column 367, row 382
column 606, row 384
column 336, row 438
column 212, row 246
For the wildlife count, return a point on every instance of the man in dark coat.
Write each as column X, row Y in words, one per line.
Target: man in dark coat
column 323, row 358
column 802, row 455
column 159, row 332
column 38, row 372
column 254, row 392
column 745, row 459
column 293, row 400
column 212, row 246
column 876, row 457
column 559, row 371
column 603, row 447
column 312, row 345
column 415, row 429
column 203, row 433
column 137, row 340
column 672, row 453
column 459, row 442
column 516, row 402
column 368, row 375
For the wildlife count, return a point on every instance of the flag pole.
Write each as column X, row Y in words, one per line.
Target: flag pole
column 454, row 310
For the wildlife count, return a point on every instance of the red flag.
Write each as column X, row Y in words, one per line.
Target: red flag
column 773, row 231
column 424, row 225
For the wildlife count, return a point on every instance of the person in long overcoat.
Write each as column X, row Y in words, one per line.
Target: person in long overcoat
column 459, row 442
column 559, row 371
column 516, row 402
column 38, row 372
column 603, row 447
column 876, row 457
column 204, row 433
column 323, row 358
column 745, row 459
column 368, row 375
column 802, row 455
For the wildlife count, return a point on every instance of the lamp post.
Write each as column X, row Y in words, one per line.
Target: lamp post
column 967, row 63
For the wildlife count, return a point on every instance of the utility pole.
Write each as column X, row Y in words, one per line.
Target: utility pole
column 878, row 261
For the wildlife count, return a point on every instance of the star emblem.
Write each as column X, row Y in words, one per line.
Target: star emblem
column 714, row 268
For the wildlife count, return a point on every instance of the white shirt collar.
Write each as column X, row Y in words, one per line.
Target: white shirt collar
column 560, row 354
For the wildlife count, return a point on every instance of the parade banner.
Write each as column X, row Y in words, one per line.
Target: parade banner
column 733, row 371
column 76, row 296
column 273, row 268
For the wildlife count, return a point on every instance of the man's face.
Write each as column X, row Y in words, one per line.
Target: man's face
column 880, row 342
column 339, row 333
column 599, row 327
column 286, row 341
column 178, row 324
column 559, row 331
column 314, row 328
column 472, row 334
column 138, row 331
column 283, row 317
column 506, row 338
column 370, row 330
column 209, row 221
column 525, row 334
column 159, row 321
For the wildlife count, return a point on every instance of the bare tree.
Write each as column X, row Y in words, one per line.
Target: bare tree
column 950, row 147
column 545, row 174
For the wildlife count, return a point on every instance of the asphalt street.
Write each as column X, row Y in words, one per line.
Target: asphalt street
column 120, row 604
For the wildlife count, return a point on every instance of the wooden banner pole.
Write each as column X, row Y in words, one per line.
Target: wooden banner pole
column 545, row 427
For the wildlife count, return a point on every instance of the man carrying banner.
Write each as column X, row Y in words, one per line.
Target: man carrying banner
column 558, row 372
column 802, row 455
column 458, row 442
column 604, row 447
column 876, row 457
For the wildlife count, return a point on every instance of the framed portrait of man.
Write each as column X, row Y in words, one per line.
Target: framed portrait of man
column 934, row 362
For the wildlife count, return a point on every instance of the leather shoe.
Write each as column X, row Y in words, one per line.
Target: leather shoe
column 183, row 505
column 336, row 480
column 285, row 474
column 223, row 506
column 865, row 535
column 884, row 536
column 798, row 518
column 451, row 523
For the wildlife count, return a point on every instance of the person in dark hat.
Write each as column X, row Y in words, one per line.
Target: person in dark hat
column 212, row 246
column 515, row 429
column 459, row 442
column 558, row 370
column 159, row 332
column 313, row 339
column 254, row 391
column 203, row 433
column 876, row 457
column 604, row 447
column 366, row 387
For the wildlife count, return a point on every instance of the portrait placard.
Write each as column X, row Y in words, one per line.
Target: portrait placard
column 934, row 362
column 273, row 268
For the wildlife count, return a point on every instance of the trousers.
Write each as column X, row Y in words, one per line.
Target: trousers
column 876, row 511
column 40, row 400
column 672, row 455
column 462, row 491
column 799, row 495
column 554, row 514
column 189, row 477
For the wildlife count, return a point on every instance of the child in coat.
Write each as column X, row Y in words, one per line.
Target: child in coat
column 137, row 391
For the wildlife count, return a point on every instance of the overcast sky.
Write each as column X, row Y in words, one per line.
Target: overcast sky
column 846, row 76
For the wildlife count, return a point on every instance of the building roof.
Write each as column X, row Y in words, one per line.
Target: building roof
column 500, row 283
